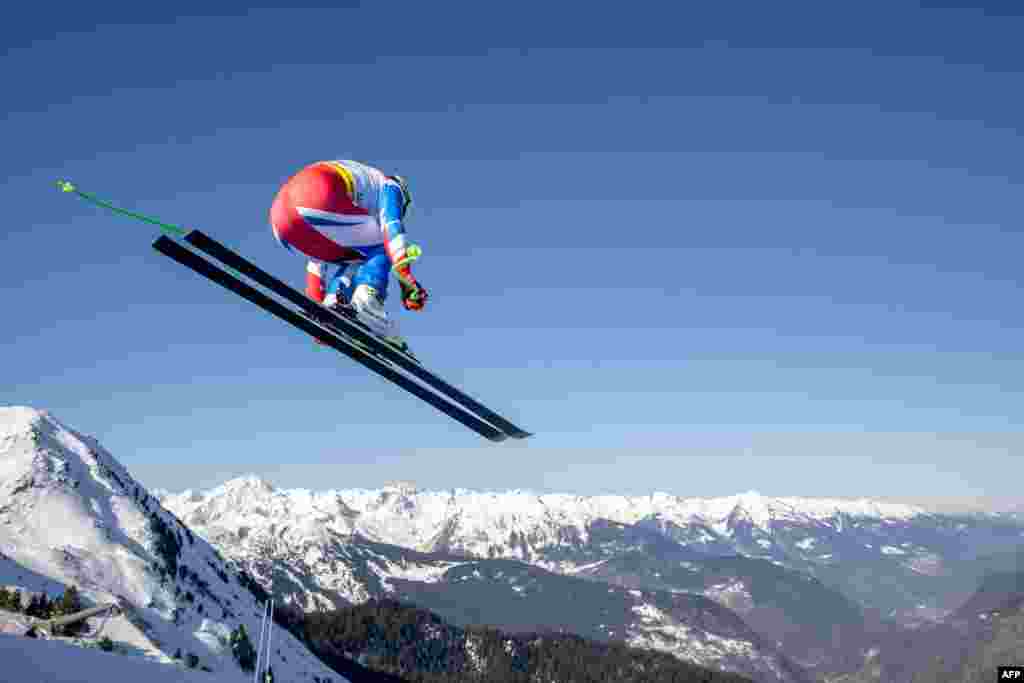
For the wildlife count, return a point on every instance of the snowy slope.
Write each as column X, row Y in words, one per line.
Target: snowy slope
column 27, row 660
column 71, row 514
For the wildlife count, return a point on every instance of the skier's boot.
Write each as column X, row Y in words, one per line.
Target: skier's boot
column 337, row 302
column 369, row 309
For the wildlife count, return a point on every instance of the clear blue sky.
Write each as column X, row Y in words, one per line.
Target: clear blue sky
column 771, row 246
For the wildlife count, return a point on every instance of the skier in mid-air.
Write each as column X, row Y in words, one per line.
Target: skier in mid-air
column 338, row 214
column 345, row 213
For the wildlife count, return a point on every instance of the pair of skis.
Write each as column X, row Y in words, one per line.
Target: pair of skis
column 338, row 332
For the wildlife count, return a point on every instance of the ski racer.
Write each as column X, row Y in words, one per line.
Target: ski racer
column 346, row 215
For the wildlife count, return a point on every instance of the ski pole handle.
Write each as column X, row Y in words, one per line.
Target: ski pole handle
column 412, row 253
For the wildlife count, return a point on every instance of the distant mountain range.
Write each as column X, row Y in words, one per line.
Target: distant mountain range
column 821, row 580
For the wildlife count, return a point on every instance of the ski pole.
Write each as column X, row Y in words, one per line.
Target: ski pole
column 172, row 230
column 270, row 626
column 168, row 228
column 259, row 652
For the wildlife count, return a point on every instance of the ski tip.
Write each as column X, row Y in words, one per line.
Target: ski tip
column 65, row 186
column 505, row 436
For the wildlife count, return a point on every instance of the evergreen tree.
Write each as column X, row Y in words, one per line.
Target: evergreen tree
column 47, row 604
column 242, row 649
column 192, row 661
column 70, row 603
column 35, row 607
column 5, row 599
column 106, row 644
column 177, row 653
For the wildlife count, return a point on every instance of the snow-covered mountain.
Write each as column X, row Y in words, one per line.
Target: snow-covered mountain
column 70, row 514
column 520, row 524
column 903, row 556
column 344, row 546
column 310, row 548
column 524, row 525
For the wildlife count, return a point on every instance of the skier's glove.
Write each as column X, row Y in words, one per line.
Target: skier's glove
column 414, row 296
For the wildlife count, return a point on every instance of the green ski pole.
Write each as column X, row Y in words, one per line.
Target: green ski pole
column 171, row 230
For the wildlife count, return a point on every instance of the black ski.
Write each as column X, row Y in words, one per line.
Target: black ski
column 193, row 261
column 356, row 331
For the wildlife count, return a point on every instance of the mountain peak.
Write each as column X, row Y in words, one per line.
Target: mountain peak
column 752, row 506
column 403, row 487
column 38, row 451
column 20, row 419
column 248, row 482
column 71, row 514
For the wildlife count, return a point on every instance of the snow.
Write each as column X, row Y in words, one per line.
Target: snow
column 385, row 570
column 31, row 659
column 659, row 631
column 584, row 567
column 649, row 612
column 69, row 515
column 473, row 648
column 928, row 565
column 732, row 594
column 310, row 534
column 705, row 537
column 481, row 523
column 215, row 634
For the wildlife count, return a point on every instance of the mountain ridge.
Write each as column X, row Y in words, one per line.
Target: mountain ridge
column 871, row 561
column 72, row 514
